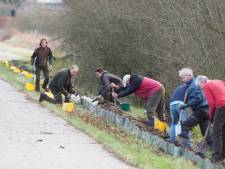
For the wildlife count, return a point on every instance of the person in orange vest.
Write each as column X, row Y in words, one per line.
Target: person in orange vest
column 149, row 90
column 214, row 91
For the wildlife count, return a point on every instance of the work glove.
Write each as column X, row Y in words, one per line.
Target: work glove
column 183, row 106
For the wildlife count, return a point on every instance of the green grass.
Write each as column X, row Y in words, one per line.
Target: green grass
column 25, row 53
column 137, row 112
column 138, row 153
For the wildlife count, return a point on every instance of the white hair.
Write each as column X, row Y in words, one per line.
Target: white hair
column 126, row 78
column 200, row 79
column 186, row 71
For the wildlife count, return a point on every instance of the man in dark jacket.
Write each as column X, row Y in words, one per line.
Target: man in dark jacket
column 61, row 84
column 152, row 91
column 106, row 80
column 197, row 102
column 41, row 60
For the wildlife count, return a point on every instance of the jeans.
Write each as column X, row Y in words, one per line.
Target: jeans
column 176, row 113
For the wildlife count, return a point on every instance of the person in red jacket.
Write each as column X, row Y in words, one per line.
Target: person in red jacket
column 149, row 90
column 214, row 91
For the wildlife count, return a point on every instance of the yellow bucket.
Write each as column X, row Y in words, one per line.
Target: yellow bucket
column 161, row 126
column 68, row 107
column 30, row 87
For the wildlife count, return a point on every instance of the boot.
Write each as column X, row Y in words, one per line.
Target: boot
column 45, row 84
column 42, row 97
column 215, row 159
column 151, row 122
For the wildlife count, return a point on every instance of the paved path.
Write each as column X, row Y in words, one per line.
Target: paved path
column 31, row 137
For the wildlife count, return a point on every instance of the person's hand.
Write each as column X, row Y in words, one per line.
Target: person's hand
column 113, row 85
column 183, row 106
column 115, row 95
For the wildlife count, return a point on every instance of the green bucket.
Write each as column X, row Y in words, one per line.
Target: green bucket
column 125, row 106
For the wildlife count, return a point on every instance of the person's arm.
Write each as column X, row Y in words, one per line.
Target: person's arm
column 34, row 55
column 70, row 88
column 50, row 56
column 102, row 90
column 211, row 101
column 195, row 97
column 125, row 91
column 106, row 82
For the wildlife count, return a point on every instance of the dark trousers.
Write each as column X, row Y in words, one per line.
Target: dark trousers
column 218, row 133
column 108, row 96
column 199, row 116
column 45, row 71
column 156, row 104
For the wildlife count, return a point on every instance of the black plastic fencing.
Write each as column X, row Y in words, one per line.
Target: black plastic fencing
column 131, row 127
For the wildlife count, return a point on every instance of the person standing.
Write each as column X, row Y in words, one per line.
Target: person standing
column 41, row 60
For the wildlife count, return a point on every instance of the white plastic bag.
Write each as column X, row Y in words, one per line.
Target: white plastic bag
column 178, row 126
column 75, row 98
column 178, row 129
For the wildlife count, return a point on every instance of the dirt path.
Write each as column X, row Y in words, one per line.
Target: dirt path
column 31, row 137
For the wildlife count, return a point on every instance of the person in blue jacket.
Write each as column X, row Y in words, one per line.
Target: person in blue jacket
column 198, row 104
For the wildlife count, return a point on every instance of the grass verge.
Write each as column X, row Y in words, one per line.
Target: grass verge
column 127, row 147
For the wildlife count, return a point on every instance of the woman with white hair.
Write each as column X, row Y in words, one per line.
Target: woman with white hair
column 152, row 91
column 214, row 91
